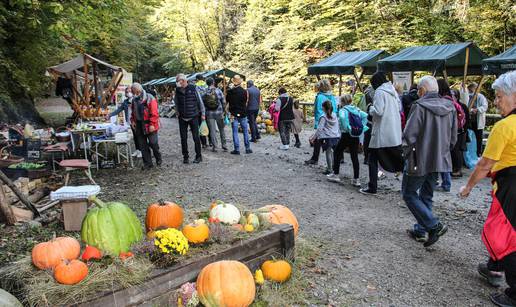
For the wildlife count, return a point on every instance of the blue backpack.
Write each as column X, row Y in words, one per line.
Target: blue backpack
column 356, row 127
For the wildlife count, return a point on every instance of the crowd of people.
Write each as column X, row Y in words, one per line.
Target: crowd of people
column 420, row 135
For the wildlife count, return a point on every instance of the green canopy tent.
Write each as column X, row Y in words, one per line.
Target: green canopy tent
column 460, row 59
column 501, row 63
column 345, row 63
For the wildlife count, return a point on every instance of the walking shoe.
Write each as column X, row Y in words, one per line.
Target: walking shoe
column 139, row 154
column 213, row 149
column 159, row 162
column 283, row 147
column 434, row 234
column 136, row 153
column 310, row 162
column 235, row 152
column 442, row 189
column 327, row 172
column 502, row 300
column 367, row 191
column 355, row 182
column 333, row 177
column 297, row 145
column 248, row 151
column 494, row 278
column 456, row 174
column 185, row 161
column 381, row 175
column 197, row 160
column 224, row 148
column 146, row 167
column 416, row 236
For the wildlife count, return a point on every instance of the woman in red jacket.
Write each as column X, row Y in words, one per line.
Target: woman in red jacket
column 499, row 162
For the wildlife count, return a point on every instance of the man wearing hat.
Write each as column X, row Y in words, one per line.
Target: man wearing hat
column 237, row 99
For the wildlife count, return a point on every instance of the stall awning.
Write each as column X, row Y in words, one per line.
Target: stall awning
column 501, row 63
column 436, row 58
column 211, row 73
column 344, row 63
column 77, row 63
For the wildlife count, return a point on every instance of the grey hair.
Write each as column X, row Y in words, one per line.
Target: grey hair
column 506, row 83
column 429, row 83
column 137, row 87
column 181, row 76
column 324, row 85
column 346, row 99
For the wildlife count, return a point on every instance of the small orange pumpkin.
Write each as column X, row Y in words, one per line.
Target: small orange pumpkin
column 163, row 214
column 276, row 270
column 278, row 214
column 123, row 256
column 91, row 252
column 70, row 272
column 47, row 255
column 226, row 283
column 196, row 233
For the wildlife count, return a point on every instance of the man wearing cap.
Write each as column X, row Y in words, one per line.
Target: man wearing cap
column 237, row 99
column 253, row 107
column 189, row 107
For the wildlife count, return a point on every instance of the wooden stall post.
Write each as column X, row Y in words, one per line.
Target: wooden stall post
column 477, row 90
column 340, row 85
column 96, row 84
column 86, row 94
column 358, row 78
column 445, row 74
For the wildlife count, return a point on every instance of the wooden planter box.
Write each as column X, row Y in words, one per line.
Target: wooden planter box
column 158, row 289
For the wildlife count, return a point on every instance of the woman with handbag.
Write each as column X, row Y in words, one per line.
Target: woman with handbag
column 499, row 162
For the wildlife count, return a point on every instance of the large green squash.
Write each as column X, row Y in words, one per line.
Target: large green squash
column 8, row 300
column 111, row 227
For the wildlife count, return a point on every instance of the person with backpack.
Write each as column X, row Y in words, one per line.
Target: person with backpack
column 327, row 133
column 386, row 130
column 460, row 147
column 445, row 92
column 200, row 83
column 215, row 105
column 352, row 123
column 284, row 105
column 323, row 94
column 253, row 107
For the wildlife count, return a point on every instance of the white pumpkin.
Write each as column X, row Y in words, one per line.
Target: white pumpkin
column 226, row 213
column 8, row 300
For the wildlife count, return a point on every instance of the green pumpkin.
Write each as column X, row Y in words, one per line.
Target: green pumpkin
column 8, row 300
column 111, row 227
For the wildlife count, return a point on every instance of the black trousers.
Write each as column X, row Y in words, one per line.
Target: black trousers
column 346, row 141
column 136, row 141
column 251, row 117
column 507, row 265
column 146, row 143
column 372, row 162
column 457, row 153
column 367, row 140
column 479, row 136
column 317, row 150
column 183, row 132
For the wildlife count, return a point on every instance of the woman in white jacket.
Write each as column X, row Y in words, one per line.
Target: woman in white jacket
column 478, row 115
column 386, row 130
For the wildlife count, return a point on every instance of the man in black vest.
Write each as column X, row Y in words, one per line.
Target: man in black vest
column 284, row 105
column 237, row 99
column 189, row 108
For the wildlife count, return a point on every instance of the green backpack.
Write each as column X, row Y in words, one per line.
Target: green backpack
column 210, row 100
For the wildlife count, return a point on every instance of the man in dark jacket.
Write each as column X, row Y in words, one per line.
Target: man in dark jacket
column 253, row 107
column 429, row 135
column 189, row 107
column 408, row 99
column 145, row 122
column 237, row 99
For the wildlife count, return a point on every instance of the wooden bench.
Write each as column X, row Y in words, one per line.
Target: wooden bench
column 76, row 164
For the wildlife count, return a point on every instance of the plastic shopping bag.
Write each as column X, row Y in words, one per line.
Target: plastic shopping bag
column 470, row 155
column 226, row 120
column 203, row 129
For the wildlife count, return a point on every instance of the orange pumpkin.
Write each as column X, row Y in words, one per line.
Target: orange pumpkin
column 276, row 270
column 278, row 214
column 196, row 233
column 91, row 252
column 226, row 283
column 70, row 273
column 47, row 255
column 163, row 214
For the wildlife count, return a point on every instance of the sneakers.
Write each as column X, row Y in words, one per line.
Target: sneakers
column 355, row 182
column 502, row 300
column 442, row 189
column 224, row 148
column 367, row 191
column 235, row 152
column 213, row 149
column 185, row 161
column 297, row 145
column 248, row 151
column 159, row 162
column 197, row 160
column 310, row 162
column 381, row 175
column 416, row 236
column 136, row 153
column 434, row 234
column 283, row 147
column 494, row 278
column 333, row 177
column 327, row 172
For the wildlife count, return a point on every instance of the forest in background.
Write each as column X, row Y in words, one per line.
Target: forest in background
column 270, row 41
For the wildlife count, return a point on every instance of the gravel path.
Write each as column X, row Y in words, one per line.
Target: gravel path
column 366, row 257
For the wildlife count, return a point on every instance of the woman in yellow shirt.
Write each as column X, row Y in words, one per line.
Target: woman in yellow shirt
column 499, row 162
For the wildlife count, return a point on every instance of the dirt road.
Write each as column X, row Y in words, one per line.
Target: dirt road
column 366, row 256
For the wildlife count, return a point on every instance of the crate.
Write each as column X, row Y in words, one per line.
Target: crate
column 74, row 211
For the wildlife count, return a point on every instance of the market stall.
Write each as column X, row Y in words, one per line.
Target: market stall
column 501, row 63
column 346, row 63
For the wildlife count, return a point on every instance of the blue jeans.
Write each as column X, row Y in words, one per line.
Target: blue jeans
column 446, row 181
column 418, row 192
column 234, row 125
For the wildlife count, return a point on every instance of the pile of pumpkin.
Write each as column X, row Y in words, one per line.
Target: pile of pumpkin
column 110, row 229
column 264, row 122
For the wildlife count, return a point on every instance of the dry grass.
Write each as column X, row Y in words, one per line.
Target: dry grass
column 293, row 292
column 38, row 288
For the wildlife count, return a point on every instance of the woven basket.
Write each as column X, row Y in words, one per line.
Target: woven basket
column 6, row 158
